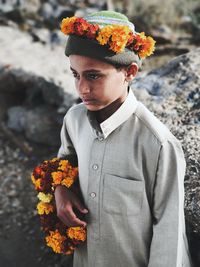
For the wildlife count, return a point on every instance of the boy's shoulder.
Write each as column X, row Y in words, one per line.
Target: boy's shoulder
column 76, row 111
column 152, row 124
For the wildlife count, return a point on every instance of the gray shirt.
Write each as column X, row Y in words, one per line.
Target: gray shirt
column 131, row 173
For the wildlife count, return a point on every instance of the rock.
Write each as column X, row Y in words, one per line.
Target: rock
column 40, row 35
column 31, row 89
column 43, row 126
column 16, row 118
column 163, row 35
column 42, row 107
column 32, row 6
column 46, row 10
column 15, row 15
column 36, row 58
column 63, row 12
column 181, row 74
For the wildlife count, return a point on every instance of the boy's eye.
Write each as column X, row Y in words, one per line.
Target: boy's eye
column 76, row 76
column 93, row 76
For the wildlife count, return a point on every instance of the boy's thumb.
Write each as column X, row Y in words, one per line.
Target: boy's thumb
column 80, row 207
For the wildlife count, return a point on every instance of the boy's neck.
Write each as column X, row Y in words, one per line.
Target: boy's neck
column 105, row 113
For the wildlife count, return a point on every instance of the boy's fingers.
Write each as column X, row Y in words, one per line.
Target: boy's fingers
column 74, row 220
column 80, row 207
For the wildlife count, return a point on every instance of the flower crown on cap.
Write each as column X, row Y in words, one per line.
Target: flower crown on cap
column 118, row 37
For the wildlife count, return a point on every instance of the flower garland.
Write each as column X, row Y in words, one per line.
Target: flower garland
column 45, row 178
column 117, row 37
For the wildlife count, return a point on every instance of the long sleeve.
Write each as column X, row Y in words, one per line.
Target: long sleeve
column 66, row 149
column 168, row 243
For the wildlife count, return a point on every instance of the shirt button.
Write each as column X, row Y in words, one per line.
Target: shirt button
column 93, row 194
column 95, row 167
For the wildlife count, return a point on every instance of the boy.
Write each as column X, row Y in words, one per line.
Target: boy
column 131, row 168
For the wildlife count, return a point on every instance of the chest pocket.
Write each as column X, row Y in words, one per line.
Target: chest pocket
column 122, row 196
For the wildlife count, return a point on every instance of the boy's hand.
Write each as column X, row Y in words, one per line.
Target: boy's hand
column 66, row 201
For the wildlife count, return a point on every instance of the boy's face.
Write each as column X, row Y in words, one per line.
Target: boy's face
column 98, row 83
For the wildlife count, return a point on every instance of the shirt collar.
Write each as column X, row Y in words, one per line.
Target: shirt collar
column 120, row 115
column 116, row 119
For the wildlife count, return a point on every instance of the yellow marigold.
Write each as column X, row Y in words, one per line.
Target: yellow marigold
column 66, row 25
column 55, row 241
column 44, row 208
column 148, row 46
column 115, row 35
column 53, row 159
column 63, row 164
column 68, row 181
column 46, row 198
column 78, row 233
column 57, row 177
column 36, row 182
column 104, row 35
column 120, row 36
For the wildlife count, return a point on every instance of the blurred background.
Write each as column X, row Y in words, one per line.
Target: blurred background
column 36, row 90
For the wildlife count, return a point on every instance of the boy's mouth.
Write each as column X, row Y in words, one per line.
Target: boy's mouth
column 88, row 100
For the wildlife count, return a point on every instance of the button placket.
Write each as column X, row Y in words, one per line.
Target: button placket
column 97, row 154
column 95, row 167
column 93, row 194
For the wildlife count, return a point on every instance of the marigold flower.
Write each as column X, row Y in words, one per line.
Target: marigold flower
column 68, row 181
column 80, row 26
column 92, row 31
column 57, row 177
column 46, row 198
column 55, row 171
column 104, row 35
column 148, row 47
column 36, row 182
column 77, row 233
column 117, row 37
column 114, row 35
column 55, row 241
column 67, row 25
column 44, row 208
column 142, row 45
column 63, row 165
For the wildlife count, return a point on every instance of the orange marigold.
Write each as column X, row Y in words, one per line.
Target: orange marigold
column 77, row 233
column 44, row 208
column 55, row 241
column 148, row 47
column 36, row 182
column 57, row 177
column 63, row 165
column 68, row 181
column 67, row 25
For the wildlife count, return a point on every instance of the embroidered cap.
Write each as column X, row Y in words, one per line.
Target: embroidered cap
column 107, row 36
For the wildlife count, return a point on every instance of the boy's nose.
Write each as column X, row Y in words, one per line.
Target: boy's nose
column 83, row 87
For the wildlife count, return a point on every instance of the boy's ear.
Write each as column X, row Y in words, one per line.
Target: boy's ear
column 131, row 72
